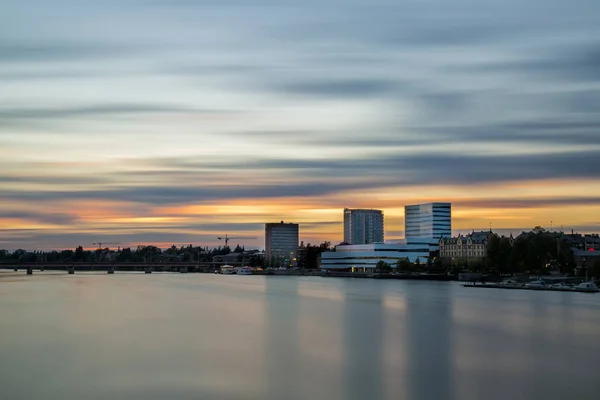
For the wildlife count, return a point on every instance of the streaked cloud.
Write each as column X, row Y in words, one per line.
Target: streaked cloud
column 193, row 117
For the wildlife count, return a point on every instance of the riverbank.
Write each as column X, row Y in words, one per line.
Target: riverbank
column 575, row 289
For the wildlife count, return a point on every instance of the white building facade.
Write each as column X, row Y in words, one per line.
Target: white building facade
column 366, row 256
column 363, row 226
column 427, row 223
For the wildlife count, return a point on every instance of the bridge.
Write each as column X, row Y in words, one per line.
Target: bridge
column 110, row 268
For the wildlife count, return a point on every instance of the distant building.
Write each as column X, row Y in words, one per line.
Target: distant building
column 363, row 226
column 585, row 259
column 281, row 244
column 469, row 247
column 583, row 242
column 228, row 258
column 427, row 223
column 358, row 258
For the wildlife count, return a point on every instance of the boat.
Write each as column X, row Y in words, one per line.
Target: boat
column 539, row 283
column 584, row 287
column 228, row 270
column 588, row 286
column 244, row 270
column 510, row 283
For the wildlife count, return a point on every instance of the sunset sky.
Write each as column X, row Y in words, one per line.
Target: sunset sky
column 163, row 122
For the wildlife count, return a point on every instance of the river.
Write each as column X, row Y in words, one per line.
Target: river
column 204, row 336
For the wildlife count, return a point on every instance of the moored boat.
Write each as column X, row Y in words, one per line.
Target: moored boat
column 537, row 284
column 228, row 270
column 244, row 270
column 588, row 286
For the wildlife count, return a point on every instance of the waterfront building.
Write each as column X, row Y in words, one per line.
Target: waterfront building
column 427, row 223
column 364, row 257
column 465, row 247
column 281, row 244
column 586, row 259
column 363, row 226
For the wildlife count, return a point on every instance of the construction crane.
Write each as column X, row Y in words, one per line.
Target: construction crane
column 99, row 244
column 227, row 238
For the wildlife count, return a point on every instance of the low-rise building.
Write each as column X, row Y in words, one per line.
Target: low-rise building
column 364, row 257
column 585, row 259
column 468, row 247
column 228, row 258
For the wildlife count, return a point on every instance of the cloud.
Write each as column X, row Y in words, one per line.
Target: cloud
column 41, row 51
column 338, row 98
column 333, row 176
column 40, row 216
column 42, row 120
column 52, row 179
column 537, row 202
column 89, row 111
column 168, row 194
column 337, row 88
column 574, row 63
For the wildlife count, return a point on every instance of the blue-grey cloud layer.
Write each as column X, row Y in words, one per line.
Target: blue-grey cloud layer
column 399, row 92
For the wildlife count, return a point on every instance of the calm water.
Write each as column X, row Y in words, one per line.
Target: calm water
column 200, row 336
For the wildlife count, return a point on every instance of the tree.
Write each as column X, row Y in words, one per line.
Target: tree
column 493, row 251
column 313, row 253
column 505, row 248
column 382, row 266
column 125, row 255
column 404, row 264
column 79, row 254
column 147, row 253
column 594, row 271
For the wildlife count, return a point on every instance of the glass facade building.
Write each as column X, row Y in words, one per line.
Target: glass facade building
column 365, row 257
column 427, row 223
column 363, row 226
column 281, row 244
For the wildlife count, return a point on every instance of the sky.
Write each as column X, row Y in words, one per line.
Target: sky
column 177, row 121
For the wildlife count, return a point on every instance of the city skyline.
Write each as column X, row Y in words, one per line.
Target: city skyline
column 185, row 122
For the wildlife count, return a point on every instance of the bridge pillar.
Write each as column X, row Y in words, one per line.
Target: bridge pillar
column 29, row 270
column 110, row 269
column 148, row 270
column 71, row 270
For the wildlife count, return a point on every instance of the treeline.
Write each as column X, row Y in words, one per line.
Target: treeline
column 538, row 250
column 142, row 253
column 308, row 256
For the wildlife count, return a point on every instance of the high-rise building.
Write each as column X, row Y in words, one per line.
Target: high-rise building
column 281, row 244
column 427, row 223
column 363, row 226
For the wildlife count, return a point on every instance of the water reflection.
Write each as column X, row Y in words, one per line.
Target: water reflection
column 226, row 337
column 281, row 341
column 363, row 340
column 428, row 341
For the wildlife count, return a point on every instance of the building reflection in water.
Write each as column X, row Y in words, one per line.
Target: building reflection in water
column 282, row 341
column 363, row 340
column 428, row 341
